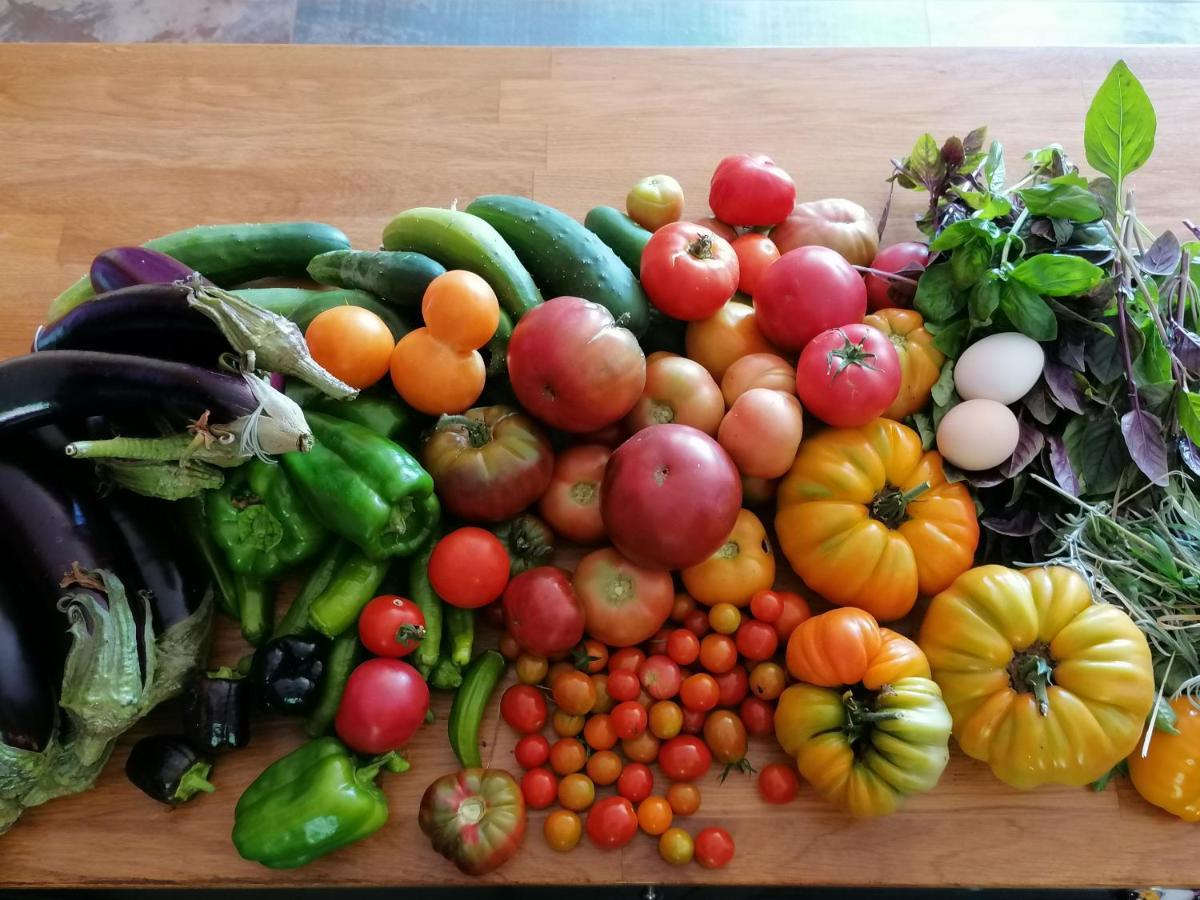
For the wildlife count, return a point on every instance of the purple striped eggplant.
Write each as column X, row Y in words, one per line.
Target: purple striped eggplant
column 122, row 267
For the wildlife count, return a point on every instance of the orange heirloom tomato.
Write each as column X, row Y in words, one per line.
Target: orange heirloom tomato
column 920, row 361
column 744, row 564
column 1169, row 774
column 758, row 370
column 762, row 431
column 1044, row 685
column 868, row 519
column 847, row 646
column 433, row 377
column 727, row 335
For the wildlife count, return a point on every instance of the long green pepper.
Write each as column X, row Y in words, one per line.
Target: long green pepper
column 421, row 592
column 352, row 586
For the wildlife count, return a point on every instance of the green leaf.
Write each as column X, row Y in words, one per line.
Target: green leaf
column 925, row 163
column 1027, row 311
column 1064, row 201
column 993, row 167
column 923, row 423
column 1118, row 133
column 1097, row 452
column 983, row 301
column 994, row 207
column 1071, row 178
column 1163, row 716
column 1189, row 415
column 1153, row 364
column 951, row 338
column 969, row 263
column 1058, row 275
column 936, row 298
column 943, row 388
column 964, row 230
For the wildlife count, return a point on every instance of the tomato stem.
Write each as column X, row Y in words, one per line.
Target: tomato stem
column 1032, row 671
column 701, row 247
column 891, row 505
column 849, row 354
column 861, row 715
column 478, row 432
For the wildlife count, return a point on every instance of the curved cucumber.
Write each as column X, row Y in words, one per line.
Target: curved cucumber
column 302, row 305
column 231, row 254
column 626, row 237
column 564, row 257
column 395, row 276
column 458, row 240
column 470, row 703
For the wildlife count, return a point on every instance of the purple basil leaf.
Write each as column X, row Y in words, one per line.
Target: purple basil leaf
column 1029, row 444
column 1061, row 382
column 1060, row 464
column 1189, row 453
column 1147, row 446
column 1071, row 346
column 1022, row 522
column 1186, row 347
column 986, row 479
column 1042, row 228
column 1040, row 404
column 1161, row 257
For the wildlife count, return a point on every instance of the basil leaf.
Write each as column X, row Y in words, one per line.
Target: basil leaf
column 923, row 424
column 1161, row 257
column 1118, row 133
column 1040, row 404
column 1106, row 193
column 963, row 231
column 1096, row 449
column 1061, row 382
column 1063, row 201
column 1188, row 408
column 1071, row 178
column 936, row 298
column 1147, row 446
column 943, row 388
column 993, row 167
column 1060, row 465
column 973, row 142
column 1185, row 345
column 1189, row 453
column 1027, row 311
column 1157, row 397
column 1030, row 442
column 1103, row 353
column 1058, row 275
column 1164, row 716
column 952, row 338
column 925, row 163
column 969, row 263
column 983, row 301
column 1153, row 364
column 1022, row 521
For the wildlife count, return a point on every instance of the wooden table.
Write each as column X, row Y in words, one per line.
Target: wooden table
column 101, row 146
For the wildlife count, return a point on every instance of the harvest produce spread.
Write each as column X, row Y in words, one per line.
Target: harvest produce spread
column 511, row 442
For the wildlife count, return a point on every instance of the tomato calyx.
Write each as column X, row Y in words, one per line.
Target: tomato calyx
column 849, row 354
column 407, row 634
column 861, row 714
column 1032, row 671
column 890, row 506
column 741, row 766
column 729, row 550
column 581, row 659
column 701, row 247
column 478, row 432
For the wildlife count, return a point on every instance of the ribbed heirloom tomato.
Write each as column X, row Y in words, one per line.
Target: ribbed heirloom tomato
column 920, row 361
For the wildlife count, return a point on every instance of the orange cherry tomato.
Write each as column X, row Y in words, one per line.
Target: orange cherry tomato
column 460, row 309
column 531, row 669
column 754, row 252
column 556, row 671
column 641, row 749
column 684, row 798
column 727, row 335
column 604, row 767
column 795, row 610
column 718, row 653
column 724, row 618
column 562, row 830
column 598, row 732
column 565, row 724
column 593, row 656
column 654, row 815
column 433, row 377
column 574, row 693
column 767, row 680
column 699, row 692
column 567, row 755
column 666, row 719
column 576, row 792
column 683, row 646
column 604, row 703
column 352, row 344
column 758, row 370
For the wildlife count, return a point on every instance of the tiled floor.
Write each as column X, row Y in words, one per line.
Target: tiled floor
column 610, row 22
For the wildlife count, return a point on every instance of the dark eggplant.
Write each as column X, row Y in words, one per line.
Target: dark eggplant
column 216, row 711
column 166, row 768
column 286, row 673
column 27, row 704
column 122, row 267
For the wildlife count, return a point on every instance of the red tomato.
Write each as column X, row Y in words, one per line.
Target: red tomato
column 573, row 367
column 643, row 748
column 754, row 252
column 539, row 787
column 699, row 692
column 629, row 719
column 683, row 646
column 795, row 610
column 749, row 189
column 732, row 686
column 593, row 656
column 670, row 497
column 469, row 568
column 718, row 653
column 848, row 376
column 757, row 640
column 908, row 258
column 623, row 685
column 611, row 823
column 658, row 641
column 778, row 783
column 624, row 603
column 660, row 677
column 697, row 623
column 684, row 758
column 714, row 848
column 542, row 612
column 635, row 782
column 693, row 721
column 572, row 502
column 383, row 704
column 599, row 732
column 688, row 272
column 678, row 390
column 391, row 626
column 524, row 708
column 758, row 716
column 626, row 658
column 766, row 606
column 532, row 751
column 806, row 291
column 683, row 605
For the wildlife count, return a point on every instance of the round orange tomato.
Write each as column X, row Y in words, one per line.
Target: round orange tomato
column 567, row 755
column 767, row 680
column 566, row 724
column 531, row 669
column 654, row 815
column 562, row 830
column 604, row 767
column 678, row 390
column 599, row 732
column 762, row 432
column 726, row 336
column 655, row 201
column 742, row 565
column 676, row 847
column 433, row 377
column 574, row 693
column 666, row 719
column 684, row 798
column 624, row 603
column 758, row 370
column 351, row 344
column 460, row 310
column 576, row 792
column 724, row 618
column 642, row 749
column 604, row 702
column 755, row 252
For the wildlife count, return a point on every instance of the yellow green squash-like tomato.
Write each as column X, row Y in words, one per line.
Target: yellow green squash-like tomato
column 1169, row 774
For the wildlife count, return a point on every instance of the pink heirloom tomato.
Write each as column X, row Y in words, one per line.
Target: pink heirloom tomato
column 678, row 390
column 762, row 432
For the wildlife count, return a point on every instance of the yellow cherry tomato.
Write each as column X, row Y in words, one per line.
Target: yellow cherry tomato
column 741, row 566
column 724, row 618
column 562, row 830
column 676, row 847
column 576, row 792
column 767, row 680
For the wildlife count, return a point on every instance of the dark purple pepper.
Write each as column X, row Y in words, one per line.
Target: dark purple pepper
column 168, row 769
column 216, row 711
column 286, row 673
column 126, row 266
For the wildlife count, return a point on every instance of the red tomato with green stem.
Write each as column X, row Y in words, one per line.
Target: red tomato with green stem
column 469, row 568
column 908, row 259
column 806, row 291
column 571, row 503
column 758, row 716
column 611, row 823
column 688, row 272
column 382, row 706
column 542, row 611
column 524, row 709
column 532, row 750
column 660, row 676
column 754, row 252
column 391, row 626
column 749, row 189
column 624, row 603
column 684, row 758
column 848, row 376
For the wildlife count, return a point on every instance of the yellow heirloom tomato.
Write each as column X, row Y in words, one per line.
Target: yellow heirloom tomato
column 1044, row 685
column 1169, row 774
column 743, row 565
column 920, row 361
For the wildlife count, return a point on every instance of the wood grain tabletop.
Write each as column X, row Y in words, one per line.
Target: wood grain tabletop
column 109, row 145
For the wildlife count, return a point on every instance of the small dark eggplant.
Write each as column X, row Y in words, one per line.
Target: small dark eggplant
column 286, row 673
column 167, row 769
column 216, row 711
column 121, row 267
column 27, row 704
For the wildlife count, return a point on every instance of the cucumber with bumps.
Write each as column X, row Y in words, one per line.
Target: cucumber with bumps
column 626, row 237
column 397, row 277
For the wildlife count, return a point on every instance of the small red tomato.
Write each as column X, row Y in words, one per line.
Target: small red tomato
column 567, row 755
column 684, row 758
column 754, row 252
column 593, row 656
column 757, row 640
column 714, row 848
column 611, row 823
column 532, row 751
column 683, row 646
column 683, row 605
column 907, row 258
column 848, row 376
column 718, row 653
column 635, row 782
column 749, row 189
column 626, row 658
column 391, row 626
column 693, row 721
column 732, row 686
column 699, row 692
column 688, row 272
column 766, row 606
column 758, row 716
column 660, row 677
column 778, row 783
column 697, row 622
column 539, row 787
column 657, row 645
column 629, row 719
column 795, row 611
column 469, row 568
column 384, row 703
column 642, row 749
column 542, row 611
column 524, row 708
column 623, row 684
column 599, row 733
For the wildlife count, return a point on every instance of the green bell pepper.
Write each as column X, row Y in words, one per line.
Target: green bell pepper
column 365, row 488
column 309, row 803
column 261, row 522
column 385, row 415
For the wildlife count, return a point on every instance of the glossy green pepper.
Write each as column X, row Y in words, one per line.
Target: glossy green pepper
column 385, row 415
column 261, row 522
column 309, row 803
column 365, row 488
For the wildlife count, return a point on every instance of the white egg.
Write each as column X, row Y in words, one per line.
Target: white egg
column 978, row 434
column 1001, row 367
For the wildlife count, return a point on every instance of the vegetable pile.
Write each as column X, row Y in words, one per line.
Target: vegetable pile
column 581, row 444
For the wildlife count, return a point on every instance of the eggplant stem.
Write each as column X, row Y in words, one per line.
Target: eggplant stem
column 181, row 447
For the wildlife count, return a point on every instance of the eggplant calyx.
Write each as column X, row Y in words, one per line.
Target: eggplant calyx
column 164, row 480
column 194, row 781
column 276, row 426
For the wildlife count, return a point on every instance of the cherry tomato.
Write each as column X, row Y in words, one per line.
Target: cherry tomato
column 758, row 716
column 678, row 390
column 469, row 568
column 391, row 626
column 655, row 201
column 657, row 645
column 604, row 700
column 718, row 653
column 460, row 309
column 683, row 646
column 749, row 189
column 562, row 830
column 574, row 693
column 725, row 337
column 688, row 272
column 676, row 847
column 636, row 782
column 531, row 669
column 715, row 225
column 604, row 767
column 434, row 378
column 697, row 622
column 804, row 292
column 725, row 735
column 847, row 376
column 382, row 706
column 684, row 758
column 567, row 755
column 762, row 431
column 612, row 823
column 908, row 258
column 795, row 611
column 565, row 724
column 778, row 783
column 558, row 670
column 539, row 787
column 757, row 640
column 724, row 618
column 757, row 370
column 524, row 708
column 666, row 719
column 766, row 606
column 352, row 344
column 626, row 658
column 683, row 605
column 768, row 680
column 698, row 692
column 592, row 656
column 660, row 677
column 629, row 719
column 571, row 503
column 623, row 684
column 754, row 252
column 576, row 792
column 693, row 721
column 714, row 848
column 732, row 686
column 598, row 732
column 642, row 749
column 684, row 798
column 532, row 751
column 654, row 815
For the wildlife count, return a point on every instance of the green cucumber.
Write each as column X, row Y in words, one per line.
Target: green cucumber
column 458, row 240
column 302, row 306
column 397, row 277
column 565, row 258
column 230, row 254
column 469, row 706
column 626, row 237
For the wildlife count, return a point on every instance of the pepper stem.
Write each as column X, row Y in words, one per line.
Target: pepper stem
column 890, row 506
column 194, row 781
column 392, row 761
column 478, row 432
column 1032, row 671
